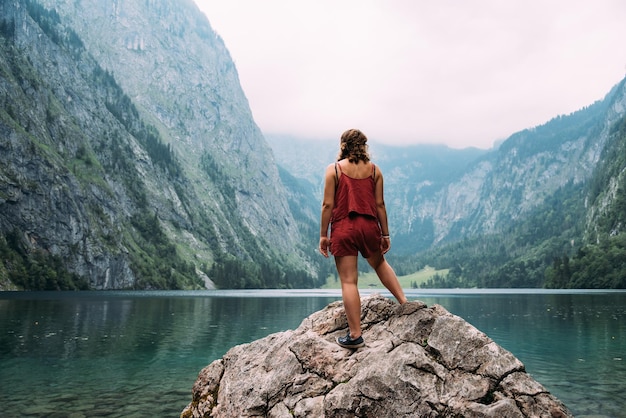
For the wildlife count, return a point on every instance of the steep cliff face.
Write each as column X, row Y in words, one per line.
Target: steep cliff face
column 52, row 189
column 128, row 148
column 526, row 170
column 181, row 77
column 606, row 199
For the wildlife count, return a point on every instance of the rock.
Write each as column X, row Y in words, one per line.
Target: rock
column 418, row 361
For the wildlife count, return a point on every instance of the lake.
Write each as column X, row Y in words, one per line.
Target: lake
column 137, row 354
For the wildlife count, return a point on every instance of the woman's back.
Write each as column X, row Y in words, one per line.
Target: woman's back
column 360, row 170
column 355, row 192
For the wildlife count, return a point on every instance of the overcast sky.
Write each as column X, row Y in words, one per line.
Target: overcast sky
column 461, row 73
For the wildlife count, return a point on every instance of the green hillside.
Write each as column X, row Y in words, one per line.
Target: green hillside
column 369, row 279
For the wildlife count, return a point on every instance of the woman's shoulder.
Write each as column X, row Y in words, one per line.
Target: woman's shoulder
column 330, row 168
column 376, row 171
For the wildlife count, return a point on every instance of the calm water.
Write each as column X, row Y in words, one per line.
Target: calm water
column 123, row 354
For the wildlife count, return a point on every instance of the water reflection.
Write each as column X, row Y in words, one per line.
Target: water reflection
column 115, row 354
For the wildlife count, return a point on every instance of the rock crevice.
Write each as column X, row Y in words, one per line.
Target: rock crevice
column 418, row 361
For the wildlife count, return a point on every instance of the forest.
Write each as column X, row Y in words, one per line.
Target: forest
column 558, row 245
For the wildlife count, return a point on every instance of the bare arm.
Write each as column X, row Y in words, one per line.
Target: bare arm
column 381, row 211
column 328, row 203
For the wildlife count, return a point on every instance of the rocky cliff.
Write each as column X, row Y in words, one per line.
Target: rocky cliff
column 180, row 75
column 532, row 165
column 418, row 361
column 129, row 152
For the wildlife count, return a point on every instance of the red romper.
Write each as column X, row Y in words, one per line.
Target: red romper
column 354, row 220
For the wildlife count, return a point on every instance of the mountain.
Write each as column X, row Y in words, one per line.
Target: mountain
column 601, row 261
column 499, row 217
column 130, row 158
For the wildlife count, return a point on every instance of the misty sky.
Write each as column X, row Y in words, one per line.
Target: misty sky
column 462, row 73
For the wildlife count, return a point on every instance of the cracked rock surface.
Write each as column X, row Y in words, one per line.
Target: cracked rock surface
column 418, row 361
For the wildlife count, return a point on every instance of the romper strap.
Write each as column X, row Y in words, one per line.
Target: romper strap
column 374, row 171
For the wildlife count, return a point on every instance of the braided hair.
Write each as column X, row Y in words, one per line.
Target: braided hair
column 353, row 146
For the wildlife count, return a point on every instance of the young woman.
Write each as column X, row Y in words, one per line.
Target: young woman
column 354, row 207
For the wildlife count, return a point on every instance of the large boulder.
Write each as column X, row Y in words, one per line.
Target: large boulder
column 418, row 361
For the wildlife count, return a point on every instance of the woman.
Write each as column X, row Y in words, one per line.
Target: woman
column 354, row 205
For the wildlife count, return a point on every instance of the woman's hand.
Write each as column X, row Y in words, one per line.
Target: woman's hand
column 385, row 244
column 324, row 246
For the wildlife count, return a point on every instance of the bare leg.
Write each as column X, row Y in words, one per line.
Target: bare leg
column 387, row 276
column 349, row 275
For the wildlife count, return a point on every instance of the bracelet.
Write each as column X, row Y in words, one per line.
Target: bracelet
column 385, row 236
